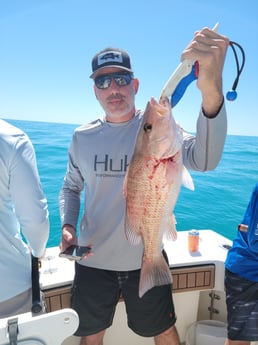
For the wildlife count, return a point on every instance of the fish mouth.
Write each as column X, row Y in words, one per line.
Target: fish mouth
column 168, row 157
column 168, row 152
column 161, row 138
column 165, row 156
column 171, row 157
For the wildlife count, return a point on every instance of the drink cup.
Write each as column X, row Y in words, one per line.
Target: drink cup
column 193, row 241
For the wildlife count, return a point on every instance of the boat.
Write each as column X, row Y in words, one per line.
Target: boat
column 198, row 293
column 198, row 288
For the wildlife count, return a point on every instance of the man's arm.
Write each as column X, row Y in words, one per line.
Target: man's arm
column 203, row 151
column 69, row 202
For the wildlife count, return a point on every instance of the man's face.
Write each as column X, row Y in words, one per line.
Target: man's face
column 117, row 101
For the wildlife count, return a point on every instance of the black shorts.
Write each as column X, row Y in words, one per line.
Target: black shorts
column 96, row 292
column 242, row 307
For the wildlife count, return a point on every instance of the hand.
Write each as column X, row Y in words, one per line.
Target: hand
column 68, row 237
column 209, row 49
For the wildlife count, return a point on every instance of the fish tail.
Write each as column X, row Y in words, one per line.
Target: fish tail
column 154, row 273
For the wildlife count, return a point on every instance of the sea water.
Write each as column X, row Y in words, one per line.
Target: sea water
column 218, row 202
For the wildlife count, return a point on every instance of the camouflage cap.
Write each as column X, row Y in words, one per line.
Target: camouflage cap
column 110, row 57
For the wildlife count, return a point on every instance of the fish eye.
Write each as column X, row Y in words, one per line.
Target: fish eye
column 147, row 127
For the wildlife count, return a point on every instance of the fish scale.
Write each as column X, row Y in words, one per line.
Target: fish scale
column 149, row 187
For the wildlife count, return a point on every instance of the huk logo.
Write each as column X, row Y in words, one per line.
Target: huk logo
column 109, row 164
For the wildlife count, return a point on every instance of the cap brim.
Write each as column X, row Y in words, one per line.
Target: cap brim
column 95, row 74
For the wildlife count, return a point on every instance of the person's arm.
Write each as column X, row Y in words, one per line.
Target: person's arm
column 29, row 201
column 251, row 220
column 204, row 151
column 69, row 201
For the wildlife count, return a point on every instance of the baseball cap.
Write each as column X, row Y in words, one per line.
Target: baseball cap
column 110, row 57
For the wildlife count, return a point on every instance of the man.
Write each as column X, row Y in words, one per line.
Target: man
column 98, row 157
column 241, row 279
column 22, row 205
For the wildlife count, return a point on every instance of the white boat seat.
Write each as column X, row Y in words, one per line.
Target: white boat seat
column 45, row 329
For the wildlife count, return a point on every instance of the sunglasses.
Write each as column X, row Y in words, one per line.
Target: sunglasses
column 121, row 79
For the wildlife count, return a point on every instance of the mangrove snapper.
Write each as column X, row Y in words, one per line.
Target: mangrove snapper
column 152, row 184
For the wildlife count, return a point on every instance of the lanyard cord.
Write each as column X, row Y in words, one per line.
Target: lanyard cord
column 232, row 94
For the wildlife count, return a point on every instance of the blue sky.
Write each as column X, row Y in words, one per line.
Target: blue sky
column 47, row 47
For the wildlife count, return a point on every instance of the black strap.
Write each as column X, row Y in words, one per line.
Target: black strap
column 13, row 330
column 36, row 294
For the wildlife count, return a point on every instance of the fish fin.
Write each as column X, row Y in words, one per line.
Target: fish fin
column 154, row 273
column 125, row 183
column 171, row 233
column 187, row 180
column 132, row 236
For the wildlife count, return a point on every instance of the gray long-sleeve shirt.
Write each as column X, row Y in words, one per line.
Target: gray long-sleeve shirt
column 98, row 157
column 23, row 207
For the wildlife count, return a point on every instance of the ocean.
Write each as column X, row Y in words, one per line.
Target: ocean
column 218, row 202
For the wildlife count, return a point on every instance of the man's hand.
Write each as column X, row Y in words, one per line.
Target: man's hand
column 68, row 237
column 209, row 49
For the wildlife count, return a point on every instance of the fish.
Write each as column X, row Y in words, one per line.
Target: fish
column 151, row 188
